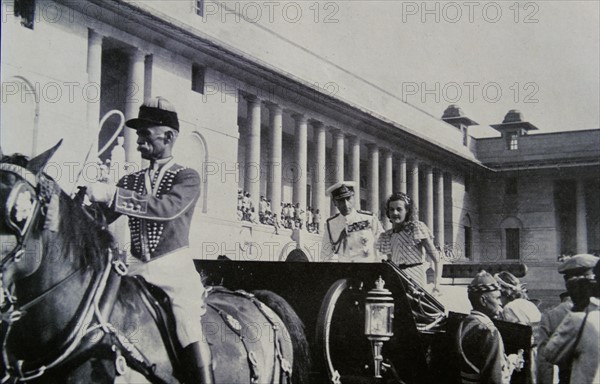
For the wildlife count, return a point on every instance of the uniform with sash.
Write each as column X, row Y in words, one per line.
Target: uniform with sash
column 482, row 351
column 351, row 238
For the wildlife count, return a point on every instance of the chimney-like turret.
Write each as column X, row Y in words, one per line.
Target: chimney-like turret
column 454, row 115
column 513, row 126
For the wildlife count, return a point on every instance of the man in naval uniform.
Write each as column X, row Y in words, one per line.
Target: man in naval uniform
column 159, row 202
column 478, row 341
column 351, row 235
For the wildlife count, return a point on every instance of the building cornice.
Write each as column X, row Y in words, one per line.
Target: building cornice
column 550, row 164
column 151, row 21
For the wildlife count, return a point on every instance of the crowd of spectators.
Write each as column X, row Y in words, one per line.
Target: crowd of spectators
column 292, row 216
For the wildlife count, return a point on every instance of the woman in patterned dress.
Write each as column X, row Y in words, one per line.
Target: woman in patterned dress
column 408, row 241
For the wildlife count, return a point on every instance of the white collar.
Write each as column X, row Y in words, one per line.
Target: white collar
column 159, row 163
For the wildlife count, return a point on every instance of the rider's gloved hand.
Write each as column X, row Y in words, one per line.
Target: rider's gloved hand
column 99, row 192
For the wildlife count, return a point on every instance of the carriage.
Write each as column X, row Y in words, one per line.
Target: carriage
column 338, row 304
column 64, row 295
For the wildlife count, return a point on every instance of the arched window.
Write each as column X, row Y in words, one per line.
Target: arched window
column 191, row 150
column 511, row 237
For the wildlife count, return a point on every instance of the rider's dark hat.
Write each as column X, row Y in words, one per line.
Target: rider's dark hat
column 341, row 190
column 157, row 111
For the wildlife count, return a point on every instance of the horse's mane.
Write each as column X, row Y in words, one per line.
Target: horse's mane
column 78, row 233
column 85, row 236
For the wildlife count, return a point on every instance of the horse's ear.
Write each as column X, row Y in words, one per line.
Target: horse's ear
column 37, row 164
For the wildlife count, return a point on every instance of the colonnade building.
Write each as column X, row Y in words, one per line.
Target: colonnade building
column 264, row 115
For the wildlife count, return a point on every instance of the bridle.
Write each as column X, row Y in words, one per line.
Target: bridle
column 24, row 206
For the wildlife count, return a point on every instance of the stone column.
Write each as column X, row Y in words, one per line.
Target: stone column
column 135, row 76
column 387, row 182
column 413, row 192
column 338, row 153
column 438, row 228
column 275, row 160
column 401, row 174
column 355, row 167
column 582, row 241
column 320, row 171
column 428, row 206
column 373, row 199
column 448, row 203
column 300, row 155
column 252, row 164
column 94, row 71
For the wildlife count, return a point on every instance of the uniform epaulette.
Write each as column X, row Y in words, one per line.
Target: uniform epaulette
column 333, row 217
column 177, row 167
column 365, row 212
column 486, row 322
column 489, row 324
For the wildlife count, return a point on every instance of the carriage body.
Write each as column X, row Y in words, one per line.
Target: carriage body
column 418, row 355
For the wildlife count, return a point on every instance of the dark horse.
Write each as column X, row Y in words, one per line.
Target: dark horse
column 70, row 314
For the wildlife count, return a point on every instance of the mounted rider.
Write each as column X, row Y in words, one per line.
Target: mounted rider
column 159, row 202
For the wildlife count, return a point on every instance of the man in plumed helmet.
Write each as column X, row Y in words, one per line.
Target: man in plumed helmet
column 478, row 340
column 159, row 202
column 350, row 235
column 575, row 341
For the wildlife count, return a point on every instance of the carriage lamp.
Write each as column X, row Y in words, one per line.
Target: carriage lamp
column 379, row 316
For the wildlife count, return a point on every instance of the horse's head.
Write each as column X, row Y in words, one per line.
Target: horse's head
column 24, row 193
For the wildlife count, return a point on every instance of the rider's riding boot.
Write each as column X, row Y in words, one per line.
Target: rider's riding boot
column 198, row 364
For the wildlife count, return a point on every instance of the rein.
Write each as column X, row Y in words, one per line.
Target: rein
column 90, row 312
column 14, row 314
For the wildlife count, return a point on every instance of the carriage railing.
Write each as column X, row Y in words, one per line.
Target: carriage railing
column 428, row 312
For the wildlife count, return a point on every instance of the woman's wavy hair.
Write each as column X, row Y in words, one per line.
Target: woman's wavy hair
column 401, row 196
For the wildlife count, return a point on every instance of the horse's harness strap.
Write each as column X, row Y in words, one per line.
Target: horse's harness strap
column 72, row 341
column 91, row 310
column 284, row 364
column 18, row 311
column 236, row 327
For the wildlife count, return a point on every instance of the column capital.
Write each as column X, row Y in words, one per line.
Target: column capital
column 136, row 53
column 273, row 107
column 335, row 131
column 299, row 117
column 354, row 139
column 316, row 123
column 386, row 151
column 251, row 99
column 95, row 37
column 372, row 146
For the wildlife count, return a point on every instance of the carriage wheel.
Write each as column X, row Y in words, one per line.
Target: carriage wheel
column 323, row 328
